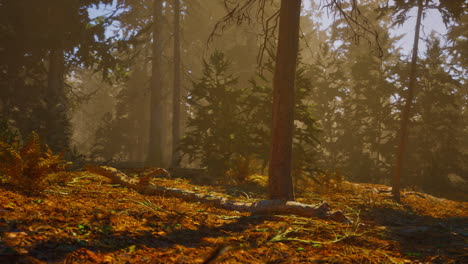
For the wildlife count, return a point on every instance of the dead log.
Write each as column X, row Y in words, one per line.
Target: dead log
column 268, row 207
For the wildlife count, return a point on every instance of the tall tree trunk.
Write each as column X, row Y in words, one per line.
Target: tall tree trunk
column 280, row 181
column 56, row 133
column 403, row 136
column 55, row 81
column 176, row 100
column 156, row 139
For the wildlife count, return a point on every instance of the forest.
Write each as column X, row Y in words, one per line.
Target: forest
column 233, row 131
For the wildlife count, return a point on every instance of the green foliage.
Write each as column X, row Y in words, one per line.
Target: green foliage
column 216, row 123
column 27, row 167
column 122, row 133
column 354, row 92
column 259, row 102
column 436, row 137
column 31, row 32
column 8, row 135
column 229, row 126
column 106, row 145
column 450, row 10
column 458, row 39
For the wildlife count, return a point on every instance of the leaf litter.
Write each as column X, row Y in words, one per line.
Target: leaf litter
column 91, row 220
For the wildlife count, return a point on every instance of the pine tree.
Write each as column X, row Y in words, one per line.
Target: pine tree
column 216, row 129
column 363, row 125
column 41, row 43
column 437, row 124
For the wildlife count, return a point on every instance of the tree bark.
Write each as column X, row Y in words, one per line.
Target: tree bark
column 55, row 80
column 56, row 135
column 280, row 181
column 176, row 100
column 156, row 137
column 403, row 137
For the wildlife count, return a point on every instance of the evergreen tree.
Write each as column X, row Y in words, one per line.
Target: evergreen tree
column 40, row 43
column 89, row 100
column 437, row 124
column 450, row 10
column 121, row 135
column 229, row 125
column 328, row 94
column 217, row 136
column 356, row 101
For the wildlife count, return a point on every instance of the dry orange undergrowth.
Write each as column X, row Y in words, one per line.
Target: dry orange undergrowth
column 90, row 220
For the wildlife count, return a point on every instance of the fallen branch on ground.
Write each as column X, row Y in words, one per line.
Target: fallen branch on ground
column 268, row 207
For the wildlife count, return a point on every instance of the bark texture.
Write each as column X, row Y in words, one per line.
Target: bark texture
column 280, row 181
column 56, row 122
column 156, row 137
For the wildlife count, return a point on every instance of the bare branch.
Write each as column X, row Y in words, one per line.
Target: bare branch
column 356, row 21
column 239, row 12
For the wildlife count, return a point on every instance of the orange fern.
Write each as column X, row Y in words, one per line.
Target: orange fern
column 27, row 167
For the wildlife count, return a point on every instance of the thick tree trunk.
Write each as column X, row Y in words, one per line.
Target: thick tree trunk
column 56, row 123
column 403, row 136
column 156, row 137
column 176, row 100
column 280, row 181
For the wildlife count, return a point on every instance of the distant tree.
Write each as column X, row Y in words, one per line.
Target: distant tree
column 216, row 135
column 40, row 43
column 437, row 126
column 403, row 133
column 288, row 20
column 196, row 21
column 122, row 133
column 450, row 10
column 89, row 100
column 176, row 99
column 229, row 126
column 157, row 116
column 458, row 39
column 329, row 91
column 305, row 137
column 368, row 124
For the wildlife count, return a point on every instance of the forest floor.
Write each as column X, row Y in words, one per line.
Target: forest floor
column 90, row 220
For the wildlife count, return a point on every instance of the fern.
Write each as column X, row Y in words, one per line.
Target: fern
column 32, row 148
column 11, row 162
column 27, row 167
column 54, row 162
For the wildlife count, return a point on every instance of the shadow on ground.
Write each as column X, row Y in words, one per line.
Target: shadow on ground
column 423, row 237
column 58, row 250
